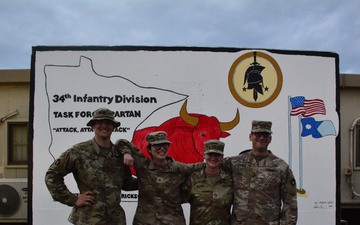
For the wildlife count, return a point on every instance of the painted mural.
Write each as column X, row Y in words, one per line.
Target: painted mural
column 194, row 94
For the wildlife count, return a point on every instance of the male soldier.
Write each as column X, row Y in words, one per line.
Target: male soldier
column 264, row 185
column 100, row 174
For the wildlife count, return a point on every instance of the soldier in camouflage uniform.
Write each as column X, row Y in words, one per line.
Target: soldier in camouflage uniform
column 210, row 190
column 160, row 179
column 98, row 168
column 264, row 185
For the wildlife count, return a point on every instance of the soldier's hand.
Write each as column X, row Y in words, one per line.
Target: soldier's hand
column 85, row 199
column 128, row 159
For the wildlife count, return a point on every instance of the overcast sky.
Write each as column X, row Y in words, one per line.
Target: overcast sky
column 316, row 25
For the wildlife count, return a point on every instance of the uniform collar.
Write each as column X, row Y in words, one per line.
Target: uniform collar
column 96, row 147
column 153, row 166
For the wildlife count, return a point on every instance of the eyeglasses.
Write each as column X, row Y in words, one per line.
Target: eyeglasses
column 158, row 146
column 263, row 134
column 105, row 122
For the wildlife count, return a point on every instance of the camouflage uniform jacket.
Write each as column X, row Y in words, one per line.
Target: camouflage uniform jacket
column 103, row 174
column 210, row 203
column 159, row 200
column 264, row 191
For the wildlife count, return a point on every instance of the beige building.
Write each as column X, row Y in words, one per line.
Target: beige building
column 14, row 148
column 14, row 121
column 350, row 147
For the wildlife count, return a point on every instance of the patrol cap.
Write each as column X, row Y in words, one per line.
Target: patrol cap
column 103, row 114
column 158, row 137
column 214, row 146
column 261, row 126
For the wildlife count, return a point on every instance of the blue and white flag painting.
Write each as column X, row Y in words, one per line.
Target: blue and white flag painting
column 317, row 129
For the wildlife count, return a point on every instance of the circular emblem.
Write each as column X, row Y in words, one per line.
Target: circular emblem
column 255, row 79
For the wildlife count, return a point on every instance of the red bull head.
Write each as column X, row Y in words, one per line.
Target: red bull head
column 187, row 134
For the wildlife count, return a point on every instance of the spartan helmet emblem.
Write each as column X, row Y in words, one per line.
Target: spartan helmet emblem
column 254, row 79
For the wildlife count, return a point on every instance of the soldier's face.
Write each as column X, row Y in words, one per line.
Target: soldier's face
column 159, row 151
column 103, row 128
column 260, row 141
column 213, row 160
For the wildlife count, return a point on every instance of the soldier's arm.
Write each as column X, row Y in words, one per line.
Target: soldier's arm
column 289, row 212
column 185, row 190
column 226, row 164
column 192, row 167
column 124, row 147
column 54, row 180
column 128, row 159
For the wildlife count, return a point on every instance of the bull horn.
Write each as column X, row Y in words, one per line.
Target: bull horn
column 191, row 120
column 230, row 125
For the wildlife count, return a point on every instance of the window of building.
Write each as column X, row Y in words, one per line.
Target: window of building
column 356, row 159
column 17, row 143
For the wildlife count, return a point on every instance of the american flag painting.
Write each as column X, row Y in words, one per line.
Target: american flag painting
column 305, row 107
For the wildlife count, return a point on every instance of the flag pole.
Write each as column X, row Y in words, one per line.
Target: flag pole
column 300, row 156
column 289, row 132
